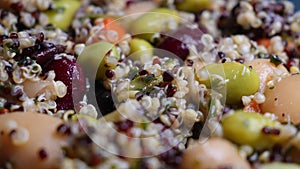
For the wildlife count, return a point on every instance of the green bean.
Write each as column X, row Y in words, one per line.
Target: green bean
column 238, row 79
column 94, row 58
column 254, row 129
column 155, row 21
column 193, row 5
column 279, row 165
column 140, row 50
column 62, row 15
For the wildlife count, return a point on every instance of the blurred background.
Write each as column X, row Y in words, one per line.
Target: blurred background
column 297, row 4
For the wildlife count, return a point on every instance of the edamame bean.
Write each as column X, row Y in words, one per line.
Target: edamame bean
column 155, row 21
column 94, row 58
column 279, row 165
column 249, row 128
column 193, row 5
column 62, row 15
column 238, row 79
column 140, row 50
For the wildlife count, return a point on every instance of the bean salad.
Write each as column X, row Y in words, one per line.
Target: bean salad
column 149, row 84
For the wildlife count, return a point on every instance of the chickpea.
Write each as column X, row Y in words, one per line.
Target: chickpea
column 31, row 140
column 283, row 100
column 265, row 70
column 215, row 153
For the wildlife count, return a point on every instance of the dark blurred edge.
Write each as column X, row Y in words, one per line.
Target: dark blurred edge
column 297, row 4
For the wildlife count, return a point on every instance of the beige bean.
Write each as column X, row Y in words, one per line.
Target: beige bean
column 265, row 70
column 214, row 153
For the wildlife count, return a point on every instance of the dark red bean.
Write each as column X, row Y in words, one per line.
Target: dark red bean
column 46, row 55
column 176, row 47
column 178, row 43
column 71, row 74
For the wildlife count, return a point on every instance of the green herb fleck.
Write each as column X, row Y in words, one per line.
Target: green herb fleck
column 275, row 60
column 262, row 55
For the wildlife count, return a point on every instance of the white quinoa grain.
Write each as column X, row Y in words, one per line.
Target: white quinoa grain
column 19, row 136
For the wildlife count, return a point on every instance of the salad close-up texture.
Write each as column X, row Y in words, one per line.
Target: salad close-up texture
column 149, row 84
